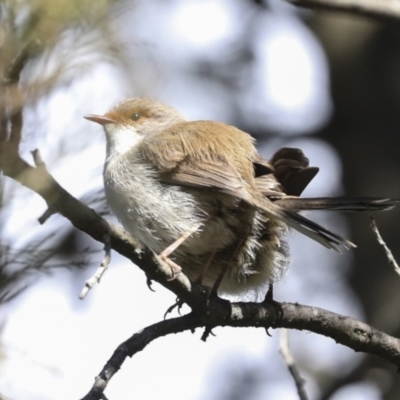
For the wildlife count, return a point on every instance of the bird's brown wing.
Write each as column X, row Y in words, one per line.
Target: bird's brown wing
column 270, row 187
column 221, row 177
column 198, row 157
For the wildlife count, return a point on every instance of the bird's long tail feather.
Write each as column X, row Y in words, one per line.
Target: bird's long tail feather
column 303, row 225
column 336, row 204
column 314, row 231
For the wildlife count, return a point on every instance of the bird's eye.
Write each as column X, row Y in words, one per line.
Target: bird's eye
column 135, row 116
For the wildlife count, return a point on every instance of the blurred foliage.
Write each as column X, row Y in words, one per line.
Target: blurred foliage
column 44, row 44
column 45, row 20
column 18, row 267
column 50, row 38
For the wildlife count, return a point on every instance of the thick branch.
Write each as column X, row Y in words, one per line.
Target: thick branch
column 383, row 9
column 208, row 312
column 344, row 330
column 87, row 220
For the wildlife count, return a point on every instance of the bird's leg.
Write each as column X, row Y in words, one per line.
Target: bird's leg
column 164, row 255
column 200, row 278
column 269, row 299
column 175, row 268
column 172, row 247
column 221, row 276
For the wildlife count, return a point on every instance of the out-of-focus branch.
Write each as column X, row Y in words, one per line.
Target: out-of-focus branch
column 13, row 78
column 17, row 65
column 10, row 90
column 292, row 367
column 100, row 270
column 388, row 252
column 383, row 9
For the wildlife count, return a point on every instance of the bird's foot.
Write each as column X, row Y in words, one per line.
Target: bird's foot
column 269, row 300
column 178, row 304
column 175, row 268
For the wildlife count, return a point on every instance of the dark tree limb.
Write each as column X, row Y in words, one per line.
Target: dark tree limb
column 344, row 330
column 382, row 9
column 137, row 343
column 87, row 220
column 209, row 312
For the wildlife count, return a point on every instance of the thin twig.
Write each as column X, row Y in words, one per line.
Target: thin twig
column 37, row 158
column 100, row 270
column 15, row 115
column 294, row 371
column 46, row 215
column 16, row 122
column 389, row 254
column 18, row 64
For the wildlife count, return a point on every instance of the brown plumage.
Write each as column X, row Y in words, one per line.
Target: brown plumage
column 165, row 177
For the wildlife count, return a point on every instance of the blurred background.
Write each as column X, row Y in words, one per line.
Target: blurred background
column 326, row 82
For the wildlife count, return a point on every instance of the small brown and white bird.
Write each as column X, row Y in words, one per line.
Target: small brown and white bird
column 199, row 194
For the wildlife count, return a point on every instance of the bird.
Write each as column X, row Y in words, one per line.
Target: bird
column 199, row 195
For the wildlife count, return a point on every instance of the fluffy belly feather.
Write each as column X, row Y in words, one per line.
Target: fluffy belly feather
column 239, row 236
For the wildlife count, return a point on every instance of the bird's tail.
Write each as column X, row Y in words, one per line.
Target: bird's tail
column 293, row 173
column 302, row 224
column 356, row 204
column 314, row 231
column 286, row 210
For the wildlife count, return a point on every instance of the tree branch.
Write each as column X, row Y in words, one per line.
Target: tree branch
column 344, row 330
column 12, row 80
column 137, row 343
column 87, row 220
column 208, row 312
column 291, row 364
column 383, row 9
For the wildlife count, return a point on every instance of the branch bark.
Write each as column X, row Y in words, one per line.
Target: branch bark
column 291, row 364
column 207, row 312
column 344, row 330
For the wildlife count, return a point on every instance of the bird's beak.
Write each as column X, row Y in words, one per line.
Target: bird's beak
column 100, row 119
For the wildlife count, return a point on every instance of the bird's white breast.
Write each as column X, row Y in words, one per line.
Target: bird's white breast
column 152, row 212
